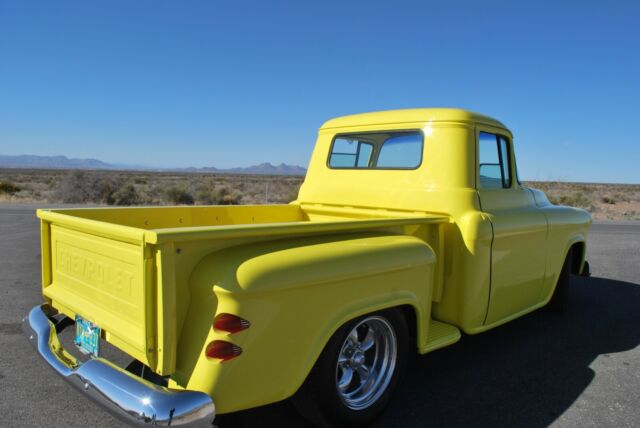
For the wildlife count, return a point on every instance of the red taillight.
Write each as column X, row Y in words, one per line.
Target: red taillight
column 222, row 350
column 230, row 323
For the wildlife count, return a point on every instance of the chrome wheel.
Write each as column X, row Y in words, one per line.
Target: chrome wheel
column 366, row 363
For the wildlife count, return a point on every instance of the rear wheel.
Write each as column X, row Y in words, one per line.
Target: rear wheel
column 560, row 299
column 356, row 373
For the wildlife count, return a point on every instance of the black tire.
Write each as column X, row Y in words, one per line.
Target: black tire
column 560, row 298
column 319, row 399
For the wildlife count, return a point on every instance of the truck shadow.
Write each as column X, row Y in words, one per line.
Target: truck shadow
column 525, row 373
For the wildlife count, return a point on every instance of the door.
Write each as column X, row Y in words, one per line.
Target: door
column 519, row 229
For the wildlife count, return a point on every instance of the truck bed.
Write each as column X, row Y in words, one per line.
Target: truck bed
column 127, row 269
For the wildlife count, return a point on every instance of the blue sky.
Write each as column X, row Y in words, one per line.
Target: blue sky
column 235, row 83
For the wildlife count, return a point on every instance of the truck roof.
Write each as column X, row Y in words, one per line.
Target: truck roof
column 410, row 115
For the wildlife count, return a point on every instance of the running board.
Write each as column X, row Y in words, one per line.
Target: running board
column 440, row 335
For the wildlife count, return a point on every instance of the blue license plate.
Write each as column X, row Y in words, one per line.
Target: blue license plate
column 87, row 336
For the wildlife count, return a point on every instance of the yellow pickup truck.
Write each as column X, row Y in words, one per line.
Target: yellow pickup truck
column 411, row 227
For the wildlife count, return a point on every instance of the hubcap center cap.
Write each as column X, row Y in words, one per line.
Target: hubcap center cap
column 357, row 359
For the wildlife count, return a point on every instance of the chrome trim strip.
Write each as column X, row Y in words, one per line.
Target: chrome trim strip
column 128, row 397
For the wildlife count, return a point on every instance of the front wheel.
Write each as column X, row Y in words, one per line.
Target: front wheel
column 356, row 373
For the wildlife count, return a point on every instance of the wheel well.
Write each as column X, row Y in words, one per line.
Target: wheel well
column 577, row 254
column 409, row 314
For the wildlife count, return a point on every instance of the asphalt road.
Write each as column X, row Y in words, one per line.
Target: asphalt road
column 580, row 369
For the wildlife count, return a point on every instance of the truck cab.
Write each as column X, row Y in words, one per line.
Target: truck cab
column 505, row 243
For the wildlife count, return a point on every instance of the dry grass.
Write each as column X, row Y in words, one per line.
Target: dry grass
column 144, row 188
column 604, row 201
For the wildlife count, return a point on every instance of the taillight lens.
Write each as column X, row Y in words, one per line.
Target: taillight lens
column 221, row 350
column 230, row 323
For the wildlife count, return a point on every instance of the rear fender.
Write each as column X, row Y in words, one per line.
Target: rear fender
column 296, row 294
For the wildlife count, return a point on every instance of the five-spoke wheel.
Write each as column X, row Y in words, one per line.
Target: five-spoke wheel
column 358, row 370
column 366, row 362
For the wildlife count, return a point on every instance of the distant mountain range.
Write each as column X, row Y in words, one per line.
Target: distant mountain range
column 63, row 162
column 263, row 168
column 54, row 162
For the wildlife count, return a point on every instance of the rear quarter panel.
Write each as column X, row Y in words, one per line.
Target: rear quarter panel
column 296, row 294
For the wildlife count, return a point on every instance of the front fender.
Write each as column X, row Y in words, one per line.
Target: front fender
column 567, row 227
column 296, row 294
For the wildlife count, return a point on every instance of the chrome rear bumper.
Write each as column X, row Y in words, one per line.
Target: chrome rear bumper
column 128, row 397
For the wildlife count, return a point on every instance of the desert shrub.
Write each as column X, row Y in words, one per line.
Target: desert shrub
column 206, row 197
column 574, row 199
column 219, row 193
column 293, row 195
column 225, row 196
column 126, row 195
column 623, row 197
column 230, row 199
column 218, row 196
column 608, row 200
column 7, row 187
column 79, row 187
column 178, row 196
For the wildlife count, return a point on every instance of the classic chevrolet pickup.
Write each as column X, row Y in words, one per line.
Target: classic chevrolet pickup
column 411, row 226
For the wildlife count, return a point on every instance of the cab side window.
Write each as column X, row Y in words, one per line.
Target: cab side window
column 494, row 161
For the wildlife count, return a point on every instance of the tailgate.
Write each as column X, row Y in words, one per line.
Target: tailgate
column 103, row 276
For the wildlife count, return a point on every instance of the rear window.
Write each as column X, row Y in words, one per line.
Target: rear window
column 377, row 150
